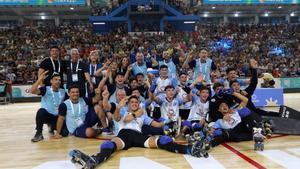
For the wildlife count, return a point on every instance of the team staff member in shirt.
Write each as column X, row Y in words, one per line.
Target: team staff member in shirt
column 53, row 64
column 78, row 74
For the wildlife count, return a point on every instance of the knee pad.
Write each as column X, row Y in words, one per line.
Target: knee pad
column 164, row 140
column 217, row 132
column 197, row 127
column 108, row 145
column 244, row 112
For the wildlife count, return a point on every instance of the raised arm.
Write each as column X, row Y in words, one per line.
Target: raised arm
column 253, row 81
column 122, row 103
column 35, row 87
column 244, row 99
column 106, row 104
column 187, row 61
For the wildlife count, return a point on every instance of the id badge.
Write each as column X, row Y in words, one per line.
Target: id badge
column 94, row 80
column 56, row 109
column 78, row 121
column 74, row 77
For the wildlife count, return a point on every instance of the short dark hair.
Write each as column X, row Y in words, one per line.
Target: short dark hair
column 218, row 84
column 72, row 87
column 132, row 79
column 204, row 88
column 120, row 73
column 54, row 47
column 219, row 102
column 139, row 74
column 169, row 87
column 163, row 66
column 233, row 81
column 230, row 69
column 133, row 89
column 55, row 74
column 133, row 97
column 203, row 48
column 182, row 73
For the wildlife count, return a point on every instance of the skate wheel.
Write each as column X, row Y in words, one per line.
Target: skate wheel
column 73, row 160
column 262, row 147
column 206, row 155
column 72, row 153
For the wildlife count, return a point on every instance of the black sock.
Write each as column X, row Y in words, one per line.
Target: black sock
column 174, row 147
column 104, row 154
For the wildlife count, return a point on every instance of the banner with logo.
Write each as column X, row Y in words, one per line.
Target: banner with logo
column 290, row 83
column 20, row 91
column 268, row 97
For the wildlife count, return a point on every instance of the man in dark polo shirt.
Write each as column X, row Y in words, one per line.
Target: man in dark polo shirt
column 78, row 74
column 52, row 64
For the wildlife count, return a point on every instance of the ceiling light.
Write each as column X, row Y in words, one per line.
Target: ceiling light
column 266, row 14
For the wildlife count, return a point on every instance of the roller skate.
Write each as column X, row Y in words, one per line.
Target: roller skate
column 207, row 138
column 258, row 139
column 86, row 161
column 199, row 148
column 267, row 129
column 197, row 144
column 172, row 129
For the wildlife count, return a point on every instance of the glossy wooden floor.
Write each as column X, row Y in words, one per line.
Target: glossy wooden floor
column 17, row 127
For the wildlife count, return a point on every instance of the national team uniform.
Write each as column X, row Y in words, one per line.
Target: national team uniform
column 198, row 112
column 240, row 126
column 160, row 91
column 131, row 132
column 49, row 107
column 184, row 109
column 78, row 116
column 161, row 84
column 170, row 110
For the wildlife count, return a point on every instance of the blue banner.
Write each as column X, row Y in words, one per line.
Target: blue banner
column 40, row 2
column 268, row 97
column 251, row 2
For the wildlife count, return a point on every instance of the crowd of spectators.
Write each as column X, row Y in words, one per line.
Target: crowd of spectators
column 276, row 47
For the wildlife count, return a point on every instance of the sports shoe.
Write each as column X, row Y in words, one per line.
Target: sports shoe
column 107, row 131
column 86, row 161
column 258, row 139
column 37, row 137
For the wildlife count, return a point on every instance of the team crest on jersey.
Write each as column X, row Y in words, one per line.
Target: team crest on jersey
column 171, row 114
